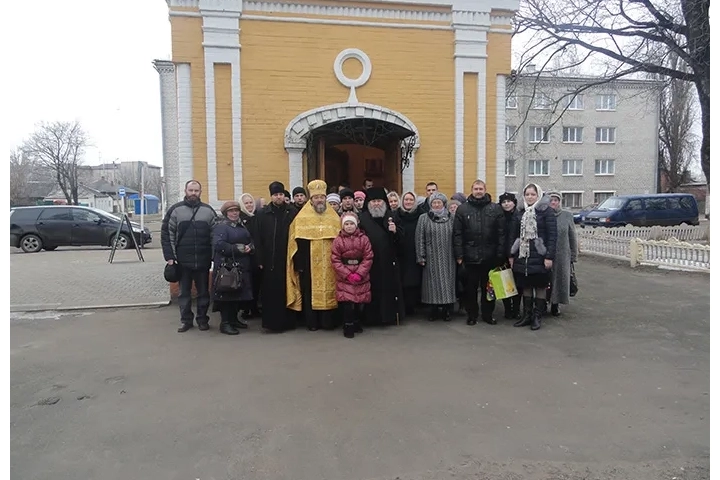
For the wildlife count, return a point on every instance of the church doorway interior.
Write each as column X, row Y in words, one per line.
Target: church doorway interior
column 349, row 151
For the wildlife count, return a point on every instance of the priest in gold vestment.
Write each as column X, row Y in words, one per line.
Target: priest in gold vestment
column 311, row 278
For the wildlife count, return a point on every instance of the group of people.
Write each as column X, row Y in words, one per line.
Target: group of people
column 323, row 257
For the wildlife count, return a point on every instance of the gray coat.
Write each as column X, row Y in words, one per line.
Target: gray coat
column 434, row 246
column 565, row 254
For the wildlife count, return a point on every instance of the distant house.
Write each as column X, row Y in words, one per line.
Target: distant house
column 87, row 196
column 35, row 192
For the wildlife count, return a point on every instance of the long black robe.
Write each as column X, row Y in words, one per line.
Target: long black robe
column 325, row 319
column 272, row 226
column 386, row 306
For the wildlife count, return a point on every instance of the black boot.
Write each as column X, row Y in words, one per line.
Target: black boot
column 447, row 313
column 508, row 304
column 540, row 308
column 227, row 318
column 237, row 323
column 516, row 312
column 555, row 310
column 527, row 313
column 349, row 330
column 433, row 315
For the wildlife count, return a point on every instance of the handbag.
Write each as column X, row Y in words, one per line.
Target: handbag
column 229, row 277
column 172, row 272
column 573, row 281
column 502, row 282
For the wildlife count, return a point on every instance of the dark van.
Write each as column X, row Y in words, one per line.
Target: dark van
column 51, row 226
column 662, row 209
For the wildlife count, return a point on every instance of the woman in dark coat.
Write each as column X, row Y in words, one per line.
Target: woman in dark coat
column 232, row 245
column 409, row 213
column 533, row 251
column 247, row 217
column 508, row 202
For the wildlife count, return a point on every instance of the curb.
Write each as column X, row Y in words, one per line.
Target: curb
column 57, row 307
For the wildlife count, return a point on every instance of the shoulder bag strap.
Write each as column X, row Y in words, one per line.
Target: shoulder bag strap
column 192, row 219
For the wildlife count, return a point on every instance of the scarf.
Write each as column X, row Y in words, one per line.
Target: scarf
column 528, row 224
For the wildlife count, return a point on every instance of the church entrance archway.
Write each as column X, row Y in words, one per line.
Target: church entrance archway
column 344, row 144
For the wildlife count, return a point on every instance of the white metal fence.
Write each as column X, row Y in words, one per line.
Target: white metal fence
column 660, row 246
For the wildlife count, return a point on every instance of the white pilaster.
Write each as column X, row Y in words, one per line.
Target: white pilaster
column 184, row 128
column 221, row 44
column 408, row 174
column 295, row 163
column 500, row 135
column 169, row 115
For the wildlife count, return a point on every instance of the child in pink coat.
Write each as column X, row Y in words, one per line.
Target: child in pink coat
column 352, row 257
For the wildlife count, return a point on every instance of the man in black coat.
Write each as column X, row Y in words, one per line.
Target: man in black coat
column 479, row 244
column 385, row 234
column 271, row 247
column 299, row 197
column 186, row 239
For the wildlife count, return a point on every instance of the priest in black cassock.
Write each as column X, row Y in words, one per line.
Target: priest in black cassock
column 271, row 245
column 385, row 233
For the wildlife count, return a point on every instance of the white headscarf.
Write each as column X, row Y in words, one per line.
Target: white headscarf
column 528, row 223
column 242, row 204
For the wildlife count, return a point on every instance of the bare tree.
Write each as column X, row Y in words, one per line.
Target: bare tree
column 59, row 146
column 21, row 169
column 625, row 38
column 677, row 142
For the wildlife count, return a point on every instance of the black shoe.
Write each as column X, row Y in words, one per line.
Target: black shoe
column 349, row 330
column 228, row 329
column 471, row 321
column 239, row 324
column 490, row 321
column 555, row 310
column 447, row 315
column 185, row 327
column 358, row 328
column 312, row 329
column 246, row 315
column 203, row 326
column 540, row 307
column 527, row 316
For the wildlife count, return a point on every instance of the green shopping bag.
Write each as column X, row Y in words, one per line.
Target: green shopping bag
column 503, row 283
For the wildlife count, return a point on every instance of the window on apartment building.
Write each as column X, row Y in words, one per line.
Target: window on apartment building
column 572, row 167
column 605, row 135
column 541, row 102
column 572, row 199
column 538, row 134
column 576, row 103
column 599, row 197
column 572, row 134
column 510, row 131
column 509, row 168
column 511, row 102
column 538, row 168
column 606, row 101
column 604, row 167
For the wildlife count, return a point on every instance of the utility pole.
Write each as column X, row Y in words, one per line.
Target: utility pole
column 142, row 201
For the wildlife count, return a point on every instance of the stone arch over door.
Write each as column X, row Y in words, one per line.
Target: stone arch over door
column 298, row 129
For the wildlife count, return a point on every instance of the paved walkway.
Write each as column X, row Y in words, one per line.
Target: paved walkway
column 76, row 278
column 615, row 389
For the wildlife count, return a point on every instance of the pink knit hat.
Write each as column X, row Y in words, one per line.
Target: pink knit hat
column 360, row 194
column 349, row 216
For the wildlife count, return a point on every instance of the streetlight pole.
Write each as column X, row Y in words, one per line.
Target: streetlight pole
column 142, row 201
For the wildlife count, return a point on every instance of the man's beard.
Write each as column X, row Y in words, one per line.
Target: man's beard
column 193, row 198
column 377, row 212
column 320, row 207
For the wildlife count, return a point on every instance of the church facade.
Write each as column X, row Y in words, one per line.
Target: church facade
column 402, row 92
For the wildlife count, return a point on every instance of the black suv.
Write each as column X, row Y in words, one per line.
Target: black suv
column 51, row 226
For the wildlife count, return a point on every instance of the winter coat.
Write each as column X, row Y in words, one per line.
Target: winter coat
column 229, row 241
column 510, row 224
column 542, row 248
column 411, row 272
column 479, row 232
column 355, row 247
column 194, row 251
column 566, row 253
column 433, row 241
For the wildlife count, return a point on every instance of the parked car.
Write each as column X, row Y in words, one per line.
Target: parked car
column 662, row 209
column 580, row 216
column 50, row 226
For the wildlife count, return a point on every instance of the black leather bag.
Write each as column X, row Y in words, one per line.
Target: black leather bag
column 573, row 281
column 229, row 276
column 172, row 272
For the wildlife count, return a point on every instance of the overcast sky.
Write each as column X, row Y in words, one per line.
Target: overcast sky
column 89, row 60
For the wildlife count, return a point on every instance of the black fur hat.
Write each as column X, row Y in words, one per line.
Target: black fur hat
column 508, row 196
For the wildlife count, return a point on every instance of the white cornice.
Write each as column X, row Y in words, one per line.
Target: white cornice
column 349, row 11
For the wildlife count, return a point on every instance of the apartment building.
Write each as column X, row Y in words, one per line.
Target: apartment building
column 587, row 141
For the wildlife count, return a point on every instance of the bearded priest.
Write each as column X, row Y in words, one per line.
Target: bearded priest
column 311, row 278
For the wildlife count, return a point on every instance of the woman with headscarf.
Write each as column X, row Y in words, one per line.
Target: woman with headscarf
column 232, row 246
column 409, row 213
column 385, row 234
column 533, row 252
column 508, row 202
column 393, row 201
column 247, row 217
column 434, row 245
column 565, row 255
